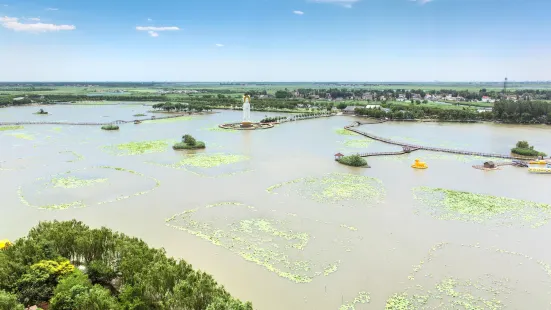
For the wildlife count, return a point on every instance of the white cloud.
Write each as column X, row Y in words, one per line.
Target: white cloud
column 5, row 5
column 52, row 9
column 153, row 33
column 298, row 12
column 345, row 3
column 149, row 20
column 149, row 28
column 14, row 24
column 34, row 19
column 220, row 45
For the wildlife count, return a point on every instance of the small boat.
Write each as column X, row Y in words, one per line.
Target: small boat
column 537, row 162
column 419, row 165
column 540, row 170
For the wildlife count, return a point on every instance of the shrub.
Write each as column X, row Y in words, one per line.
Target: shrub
column 110, row 127
column 523, row 145
column 525, row 149
column 184, row 146
column 353, row 160
column 138, row 115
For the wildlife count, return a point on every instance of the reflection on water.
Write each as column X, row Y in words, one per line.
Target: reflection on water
column 353, row 255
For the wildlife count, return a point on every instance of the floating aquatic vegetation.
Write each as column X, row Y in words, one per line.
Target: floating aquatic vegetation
column 72, row 182
column 349, row 227
column 218, row 129
column 209, row 160
column 363, row 143
column 78, row 157
column 57, row 129
column 23, row 136
column 139, row 147
column 470, row 207
column 336, row 187
column 362, row 298
column 506, row 277
column 399, row 302
column 6, row 128
column 344, row 132
column 66, row 181
column 169, row 120
column 279, row 244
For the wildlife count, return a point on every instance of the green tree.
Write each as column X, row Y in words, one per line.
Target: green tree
column 9, row 302
column 523, row 144
column 189, row 140
column 341, row 106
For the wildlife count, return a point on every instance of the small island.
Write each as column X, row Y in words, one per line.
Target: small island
column 41, row 112
column 523, row 148
column 352, row 160
column 110, row 127
column 189, row 143
column 139, row 115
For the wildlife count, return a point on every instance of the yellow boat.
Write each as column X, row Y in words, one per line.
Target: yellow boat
column 537, row 162
column 419, row 165
column 4, row 244
column 539, row 170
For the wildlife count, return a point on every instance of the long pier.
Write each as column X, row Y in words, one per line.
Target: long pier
column 88, row 123
column 413, row 147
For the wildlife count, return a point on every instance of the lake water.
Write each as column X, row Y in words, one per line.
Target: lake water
column 380, row 247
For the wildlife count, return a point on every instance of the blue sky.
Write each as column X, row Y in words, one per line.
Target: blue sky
column 275, row 40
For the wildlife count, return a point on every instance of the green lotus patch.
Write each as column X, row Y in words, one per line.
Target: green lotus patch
column 209, row 160
column 355, row 143
column 139, row 147
column 279, row 243
column 169, row 120
column 77, row 156
column 72, row 182
column 478, row 208
column 66, row 181
column 22, row 136
column 218, row 129
column 6, row 128
column 335, row 188
column 344, row 132
column 362, row 298
column 506, row 277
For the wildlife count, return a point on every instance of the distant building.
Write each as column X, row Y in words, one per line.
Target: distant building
column 372, row 106
column 367, row 96
column 349, row 110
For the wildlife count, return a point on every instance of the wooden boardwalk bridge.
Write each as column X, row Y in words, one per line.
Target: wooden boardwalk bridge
column 117, row 122
column 413, row 147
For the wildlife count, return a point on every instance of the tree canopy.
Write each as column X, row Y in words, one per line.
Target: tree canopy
column 70, row 266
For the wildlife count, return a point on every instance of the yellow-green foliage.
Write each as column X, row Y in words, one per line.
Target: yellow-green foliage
column 58, row 269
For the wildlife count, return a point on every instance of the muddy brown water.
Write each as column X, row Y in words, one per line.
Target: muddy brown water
column 391, row 237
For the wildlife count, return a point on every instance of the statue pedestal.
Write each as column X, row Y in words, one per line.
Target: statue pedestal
column 246, row 124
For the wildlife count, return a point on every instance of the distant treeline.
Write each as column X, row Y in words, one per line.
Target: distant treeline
column 520, row 112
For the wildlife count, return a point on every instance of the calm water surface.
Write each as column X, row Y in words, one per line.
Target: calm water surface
column 391, row 237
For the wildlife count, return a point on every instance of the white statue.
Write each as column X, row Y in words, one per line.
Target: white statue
column 246, row 108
